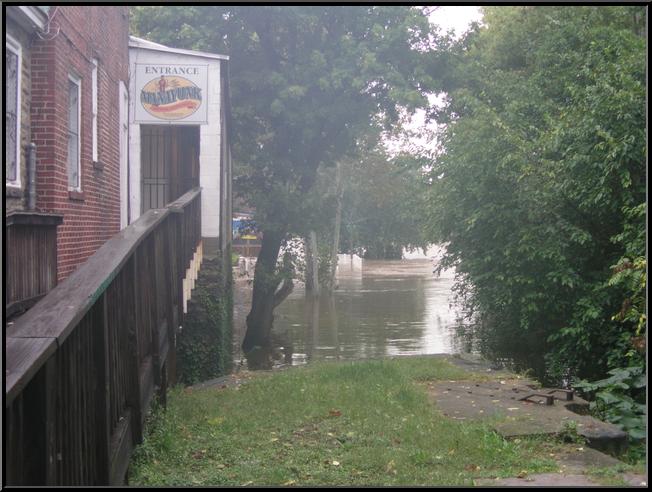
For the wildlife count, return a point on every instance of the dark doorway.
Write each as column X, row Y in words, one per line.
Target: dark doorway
column 169, row 157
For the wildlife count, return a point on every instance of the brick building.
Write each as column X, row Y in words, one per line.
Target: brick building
column 72, row 93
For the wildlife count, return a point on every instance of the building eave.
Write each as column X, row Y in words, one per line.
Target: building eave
column 30, row 17
column 144, row 44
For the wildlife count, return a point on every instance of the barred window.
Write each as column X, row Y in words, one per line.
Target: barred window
column 12, row 111
column 74, row 92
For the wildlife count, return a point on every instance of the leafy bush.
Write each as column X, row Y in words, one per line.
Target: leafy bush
column 613, row 400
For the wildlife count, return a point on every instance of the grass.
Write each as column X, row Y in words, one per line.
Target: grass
column 362, row 423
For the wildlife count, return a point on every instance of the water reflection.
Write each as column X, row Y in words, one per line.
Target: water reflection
column 390, row 308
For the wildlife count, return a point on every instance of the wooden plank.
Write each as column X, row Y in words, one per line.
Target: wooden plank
column 133, row 395
column 14, row 442
column 146, row 374
column 50, row 415
column 102, row 410
column 184, row 200
column 33, row 219
column 164, row 343
column 121, row 447
column 23, row 358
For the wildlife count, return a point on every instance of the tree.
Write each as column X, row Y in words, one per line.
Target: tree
column 383, row 201
column 542, row 168
column 304, row 82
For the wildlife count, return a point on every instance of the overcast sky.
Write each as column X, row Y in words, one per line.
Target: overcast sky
column 454, row 17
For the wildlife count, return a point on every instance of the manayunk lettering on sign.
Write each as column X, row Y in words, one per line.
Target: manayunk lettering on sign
column 171, row 93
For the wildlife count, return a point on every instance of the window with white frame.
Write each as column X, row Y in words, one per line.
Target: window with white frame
column 74, row 142
column 94, row 110
column 13, row 62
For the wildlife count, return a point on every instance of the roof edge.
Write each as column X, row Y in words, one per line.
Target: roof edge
column 144, row 44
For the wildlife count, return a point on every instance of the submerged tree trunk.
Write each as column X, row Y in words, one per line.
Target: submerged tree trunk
column 266, row 294
column 312, row 265
column 336, row 229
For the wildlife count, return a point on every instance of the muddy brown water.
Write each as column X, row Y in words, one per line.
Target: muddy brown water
column 388, row 308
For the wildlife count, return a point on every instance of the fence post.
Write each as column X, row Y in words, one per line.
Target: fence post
column 133, row 395
column 159, row 316
column 50, row 412
column 99, row 323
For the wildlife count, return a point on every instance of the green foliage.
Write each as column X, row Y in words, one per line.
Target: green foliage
column 383, row 197
column 620, row 399
column 569, row 433
column 305, row 82
column 539, row 188
column 204, row 346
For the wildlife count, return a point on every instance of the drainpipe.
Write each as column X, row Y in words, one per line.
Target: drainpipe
column 31, row 177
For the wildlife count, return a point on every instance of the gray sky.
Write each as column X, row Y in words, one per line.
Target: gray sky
column 454, row 17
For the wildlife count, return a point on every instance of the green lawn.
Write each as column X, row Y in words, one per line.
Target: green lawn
column 362, row 423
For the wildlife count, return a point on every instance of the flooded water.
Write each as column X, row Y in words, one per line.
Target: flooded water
column 388, row 308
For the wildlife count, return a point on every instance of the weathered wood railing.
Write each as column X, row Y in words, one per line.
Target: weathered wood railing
column 83, row 364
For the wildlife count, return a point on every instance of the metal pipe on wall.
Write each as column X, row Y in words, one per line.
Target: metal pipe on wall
column 31, row 176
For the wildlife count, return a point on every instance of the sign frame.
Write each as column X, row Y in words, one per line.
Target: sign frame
column 187, row 84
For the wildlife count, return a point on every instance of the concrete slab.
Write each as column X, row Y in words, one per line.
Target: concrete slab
column 540, row 480
column 503, row 399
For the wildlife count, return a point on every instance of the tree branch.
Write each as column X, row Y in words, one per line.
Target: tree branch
column 285, row 290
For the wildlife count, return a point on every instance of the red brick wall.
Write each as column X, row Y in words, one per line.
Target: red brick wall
column 79, row 34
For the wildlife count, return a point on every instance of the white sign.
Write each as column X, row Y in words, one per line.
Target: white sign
column 171, row 94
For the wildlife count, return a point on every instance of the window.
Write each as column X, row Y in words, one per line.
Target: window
column 74, row 115
column 13, row 62
column 94, row 112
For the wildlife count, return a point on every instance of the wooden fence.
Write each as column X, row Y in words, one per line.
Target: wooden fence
column 83, row 364
column 31, row 259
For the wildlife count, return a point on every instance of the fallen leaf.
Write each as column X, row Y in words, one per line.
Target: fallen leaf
column 334, row 413
column 289, row 482
column 335, row 463
column 522, row 474
column 471, row 467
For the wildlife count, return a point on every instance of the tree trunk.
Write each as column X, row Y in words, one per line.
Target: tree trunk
column 336, row 229
column 312, row 265
column 264, row 299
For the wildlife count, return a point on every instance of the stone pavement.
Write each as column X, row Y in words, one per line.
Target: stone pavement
column 515, row 407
